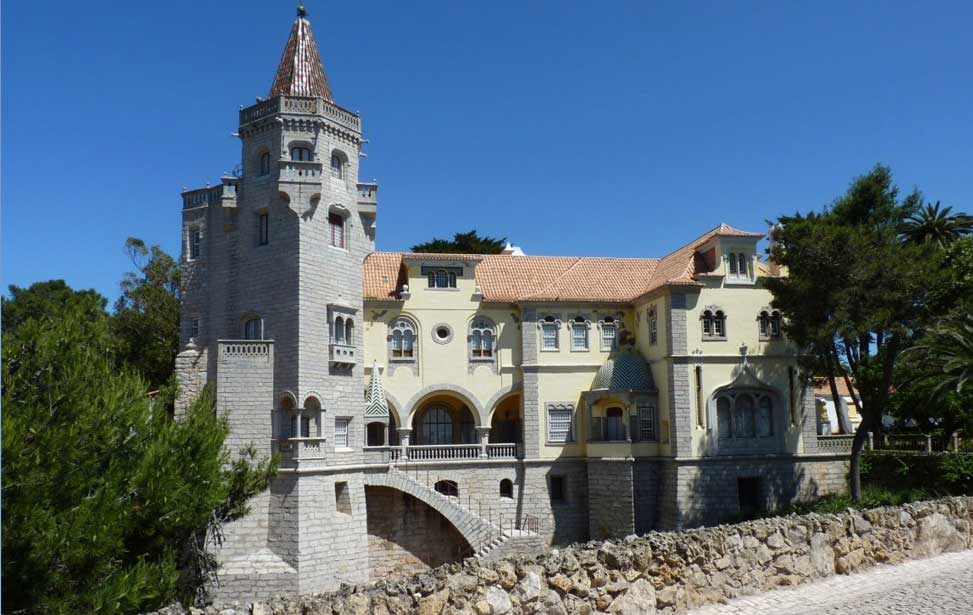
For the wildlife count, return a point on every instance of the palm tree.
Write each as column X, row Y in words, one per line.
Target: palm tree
column 946, row 353
column 932, row 224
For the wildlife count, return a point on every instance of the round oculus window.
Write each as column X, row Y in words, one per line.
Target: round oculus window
column 442, row 333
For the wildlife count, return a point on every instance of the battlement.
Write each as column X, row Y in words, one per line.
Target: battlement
column 299, row 105
column 223, row 193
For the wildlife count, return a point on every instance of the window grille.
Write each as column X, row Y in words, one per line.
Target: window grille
column 559, row 425
column 646, row 415
column 579, row 335
column 608, row 334
column 549, row 334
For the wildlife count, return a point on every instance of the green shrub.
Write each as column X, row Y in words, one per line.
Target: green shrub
column 957, row 469
column 105, row 499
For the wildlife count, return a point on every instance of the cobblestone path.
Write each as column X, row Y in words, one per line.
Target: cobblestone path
column 940, row 585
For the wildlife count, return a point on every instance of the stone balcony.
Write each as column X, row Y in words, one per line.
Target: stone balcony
column 300, row 171
column 342, row 354
column 368, row 198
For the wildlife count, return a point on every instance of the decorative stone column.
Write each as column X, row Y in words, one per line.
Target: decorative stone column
column 404, row 433
column 484, row 434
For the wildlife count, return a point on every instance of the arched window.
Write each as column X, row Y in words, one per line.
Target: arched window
column 402, row 339
column 339, row 330
column 744, row 414
column 336, row 230
column 482, row 338
column 448, row 488
column 301, row 154
column 349, row 331
column 253, row 329
column 265, row 163
column 714, row 324
column 336, row 166
column 507, row 488
column 437, row 426
column 579, row 333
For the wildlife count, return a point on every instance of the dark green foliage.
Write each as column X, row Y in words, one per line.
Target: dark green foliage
column 146, row 319
column 463, row 243
column 47, row 299
column 856, row 295
column 937, row 474
column 106, row 501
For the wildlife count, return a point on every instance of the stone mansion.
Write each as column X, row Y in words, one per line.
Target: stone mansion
column 430, row 407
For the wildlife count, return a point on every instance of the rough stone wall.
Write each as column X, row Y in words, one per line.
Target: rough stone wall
column 406, row 536
column 661, row 572
column 645, row 494
column 611, row 505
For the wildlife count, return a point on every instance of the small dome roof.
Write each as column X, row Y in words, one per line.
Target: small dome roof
column 627, row 371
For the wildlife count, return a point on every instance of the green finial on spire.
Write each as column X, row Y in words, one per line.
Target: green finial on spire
column 301, row 11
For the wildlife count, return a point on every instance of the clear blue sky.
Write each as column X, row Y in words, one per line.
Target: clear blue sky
column 612, row 128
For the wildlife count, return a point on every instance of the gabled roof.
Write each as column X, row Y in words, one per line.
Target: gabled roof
column 301, row 72
column 508, row 278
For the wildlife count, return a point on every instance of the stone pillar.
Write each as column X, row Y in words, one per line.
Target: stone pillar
column 404, row 433
column 484, row 433
column 928, row 443
column 955, row 441
column 871, row 441
column 190, row 376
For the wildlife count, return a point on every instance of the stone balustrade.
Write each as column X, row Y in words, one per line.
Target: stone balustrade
column 300, row 170
column 245, row 349
column 444, row 452
column 300, row 105
column 202, row 197
column 342, row 354
column 502, row 451
column 295, row 450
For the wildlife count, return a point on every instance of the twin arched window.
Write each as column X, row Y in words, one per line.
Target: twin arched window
column 344, row 331
column 738, row 263
column 770, row 324
column 482, row 338
column 402, row 339
column 714, row 324
column 744, row 414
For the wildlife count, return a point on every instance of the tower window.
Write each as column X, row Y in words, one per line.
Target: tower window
column 195, row 243
column 738, row 265
column 253, row 329
column 194, row 328
column 263, row 229
column 265, row 163
column 336, row 226
column 301, row 154
column 337, row 169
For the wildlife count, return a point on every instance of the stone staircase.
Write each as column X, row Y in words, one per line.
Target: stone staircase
column 488, row 541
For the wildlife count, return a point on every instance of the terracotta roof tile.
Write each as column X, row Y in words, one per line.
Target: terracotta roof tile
column 510, row 279
column 301, row 72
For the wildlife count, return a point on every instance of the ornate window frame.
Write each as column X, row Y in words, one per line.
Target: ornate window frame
column 609, row 322
column 713, row 324
column 652, row 316
column 403, row 325
column 481, row 329
column 550, row 322
column 770, row 324
column 560, row 408
column 583, row 322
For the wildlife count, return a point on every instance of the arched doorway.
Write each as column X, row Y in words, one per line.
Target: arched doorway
column 506, row 426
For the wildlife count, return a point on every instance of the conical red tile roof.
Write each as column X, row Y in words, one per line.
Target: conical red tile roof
column 301, row 72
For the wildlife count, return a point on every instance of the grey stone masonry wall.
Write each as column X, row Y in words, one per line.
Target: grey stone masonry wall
column 680, row 390
column 531, row 397
column 245, row 386
column 191, row 377
column 611, row 504
column 662, row 572
column 645, row 493
column 708, row 491
column 809, row 420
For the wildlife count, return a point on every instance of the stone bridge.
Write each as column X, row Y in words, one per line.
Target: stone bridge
column 486, row 539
